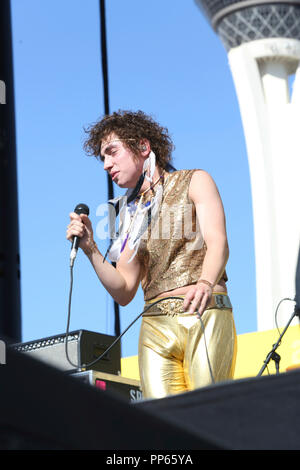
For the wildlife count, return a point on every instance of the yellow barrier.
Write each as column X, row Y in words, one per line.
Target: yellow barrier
column 252, row 351
column 129, row 367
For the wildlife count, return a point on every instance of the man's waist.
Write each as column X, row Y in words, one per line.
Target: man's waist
column 174, row 304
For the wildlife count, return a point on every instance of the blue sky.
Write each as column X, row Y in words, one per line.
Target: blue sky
column 163, row 58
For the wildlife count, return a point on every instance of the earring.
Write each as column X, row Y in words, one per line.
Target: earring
column 149, row 166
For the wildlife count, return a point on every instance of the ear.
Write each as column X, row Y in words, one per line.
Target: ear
column 145, row 148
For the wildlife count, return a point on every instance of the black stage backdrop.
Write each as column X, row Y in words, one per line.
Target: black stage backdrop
column 250, row 414
column 10, row 296
column 42, row 408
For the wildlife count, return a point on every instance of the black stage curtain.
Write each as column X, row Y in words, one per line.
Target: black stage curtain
column 10, row 296
column 42, row 408
column 250, row 414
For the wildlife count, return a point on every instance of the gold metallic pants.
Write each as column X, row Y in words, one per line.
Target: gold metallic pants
column 173, row 348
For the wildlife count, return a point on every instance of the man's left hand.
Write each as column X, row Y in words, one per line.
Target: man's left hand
column 197, row 298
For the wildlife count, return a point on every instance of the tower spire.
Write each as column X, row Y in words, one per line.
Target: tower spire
column 262, row 40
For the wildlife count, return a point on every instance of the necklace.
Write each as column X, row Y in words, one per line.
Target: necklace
column 138, row 202
column 150, row 187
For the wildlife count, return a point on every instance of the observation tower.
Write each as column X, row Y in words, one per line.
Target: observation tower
column 262, row 41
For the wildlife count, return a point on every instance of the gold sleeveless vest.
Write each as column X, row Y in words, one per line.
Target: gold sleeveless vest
column 173, row 250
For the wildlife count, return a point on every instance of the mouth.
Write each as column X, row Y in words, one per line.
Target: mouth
column 114, row 174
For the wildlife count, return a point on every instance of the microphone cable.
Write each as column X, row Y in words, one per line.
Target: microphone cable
column 85, row 366
column 277, row 308
column 272, row 354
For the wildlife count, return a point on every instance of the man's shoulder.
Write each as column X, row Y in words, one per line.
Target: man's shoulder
column 182, row 175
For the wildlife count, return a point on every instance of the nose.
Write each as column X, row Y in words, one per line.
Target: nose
column 107, row 164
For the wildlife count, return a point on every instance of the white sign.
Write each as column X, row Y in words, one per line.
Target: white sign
column 2, row 352
column 2, row 92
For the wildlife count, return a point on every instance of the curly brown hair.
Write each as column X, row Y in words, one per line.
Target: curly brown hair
column 131, row 127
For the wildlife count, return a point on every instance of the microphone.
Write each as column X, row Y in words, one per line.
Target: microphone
column 79, row 209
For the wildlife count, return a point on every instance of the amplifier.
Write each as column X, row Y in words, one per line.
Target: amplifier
column 83, row 347
column 128, row 388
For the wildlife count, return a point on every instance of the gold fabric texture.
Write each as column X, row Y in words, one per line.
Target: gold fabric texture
column 172, row 352
column 173, row 250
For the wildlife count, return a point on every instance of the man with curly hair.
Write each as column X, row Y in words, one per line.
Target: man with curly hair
column 172, row 239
